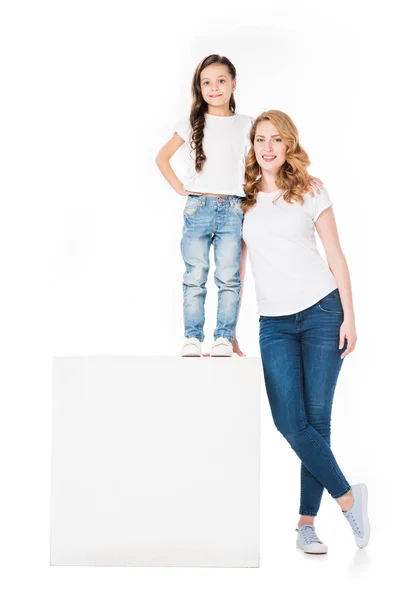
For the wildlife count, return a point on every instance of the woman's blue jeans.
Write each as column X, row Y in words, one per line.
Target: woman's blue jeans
column 209, row 220
column 301, row 361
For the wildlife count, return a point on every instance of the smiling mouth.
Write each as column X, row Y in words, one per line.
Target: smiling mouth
column 268, row 157
column 215, row 95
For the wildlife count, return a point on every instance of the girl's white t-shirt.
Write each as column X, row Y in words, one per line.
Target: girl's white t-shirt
column 226, row 142
column 289, row 273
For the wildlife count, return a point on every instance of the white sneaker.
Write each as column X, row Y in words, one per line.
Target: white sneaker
column 191, row 347
column 221, row 347
column 309, row 542
column 357, row 516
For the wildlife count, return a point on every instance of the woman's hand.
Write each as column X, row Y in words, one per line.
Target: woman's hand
column 236, row 348
column 348, row 332
column 315, row 184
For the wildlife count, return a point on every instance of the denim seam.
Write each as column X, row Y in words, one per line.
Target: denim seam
column 342, row 493
column 328, row 460
column 330, row 312
column 306, row 513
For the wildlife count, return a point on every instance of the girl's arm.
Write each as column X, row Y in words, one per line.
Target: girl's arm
column 327, row 231
column 162, row 161
column 242, row 273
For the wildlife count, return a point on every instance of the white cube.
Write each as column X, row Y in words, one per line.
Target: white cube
column 155, row 461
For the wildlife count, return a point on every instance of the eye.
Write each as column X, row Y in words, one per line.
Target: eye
column 278, row 140
column 259, row 140
column 222, row 80
column 205, row 82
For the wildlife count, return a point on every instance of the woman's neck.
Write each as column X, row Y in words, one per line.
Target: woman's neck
column 268, row 182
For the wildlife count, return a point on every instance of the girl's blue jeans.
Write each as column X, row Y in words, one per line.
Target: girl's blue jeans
column 301, row 362
column 217, row 221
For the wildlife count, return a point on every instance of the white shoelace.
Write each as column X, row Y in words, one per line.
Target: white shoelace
column 309, row 535
column 354, row 524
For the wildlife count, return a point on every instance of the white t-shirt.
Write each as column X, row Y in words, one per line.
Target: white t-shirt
column 225, row 144
column 289, row 273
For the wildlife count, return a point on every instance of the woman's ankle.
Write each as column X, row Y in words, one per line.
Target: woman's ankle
column 305, row 520
column 346, row 501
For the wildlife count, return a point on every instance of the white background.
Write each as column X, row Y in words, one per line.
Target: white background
column 91, row 264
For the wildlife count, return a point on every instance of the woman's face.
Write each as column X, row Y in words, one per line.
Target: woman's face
column 269, row 148
column 216, row 84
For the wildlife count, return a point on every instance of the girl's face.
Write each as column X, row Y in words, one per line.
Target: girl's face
column 269, row 148
column 216, row 84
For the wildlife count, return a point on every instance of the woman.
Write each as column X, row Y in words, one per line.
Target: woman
column 307, row 321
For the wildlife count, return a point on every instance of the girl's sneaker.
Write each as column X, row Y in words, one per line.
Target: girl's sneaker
column 221, row 347
column 309, row 542
column 357, row 515
column 191, row 347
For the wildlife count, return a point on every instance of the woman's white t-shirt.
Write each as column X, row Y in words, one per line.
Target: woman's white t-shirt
column 289, row 273
column 226, row 142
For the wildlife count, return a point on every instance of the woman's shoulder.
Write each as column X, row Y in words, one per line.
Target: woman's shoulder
column 321, row 192
column 317, row 203
column 317, row 196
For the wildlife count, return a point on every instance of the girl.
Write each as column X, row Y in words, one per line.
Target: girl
column 218, row 138
column 307, row 323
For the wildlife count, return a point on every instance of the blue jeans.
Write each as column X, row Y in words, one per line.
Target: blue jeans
column 218, row 221
column 301, row 362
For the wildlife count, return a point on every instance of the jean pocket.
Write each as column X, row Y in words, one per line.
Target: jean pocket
column 191, row 207
column 331, row 303
column 236, row 205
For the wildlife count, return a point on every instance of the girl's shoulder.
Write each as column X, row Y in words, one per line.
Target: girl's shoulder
column 245, row 122
column 183, row 129
column 245, row 118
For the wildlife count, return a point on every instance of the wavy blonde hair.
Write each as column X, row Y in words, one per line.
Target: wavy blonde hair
column 292, row 178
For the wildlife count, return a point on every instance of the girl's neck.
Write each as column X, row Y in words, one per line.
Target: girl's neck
column 268, row 182
column 219, row 111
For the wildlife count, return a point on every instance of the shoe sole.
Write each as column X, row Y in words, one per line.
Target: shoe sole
column 299, row 546
column 220, row 354
column 364, row 508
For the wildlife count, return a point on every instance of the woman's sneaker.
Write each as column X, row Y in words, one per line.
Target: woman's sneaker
column 191, row 347
column 221, row 347
column 309, row 542
column 357, row 515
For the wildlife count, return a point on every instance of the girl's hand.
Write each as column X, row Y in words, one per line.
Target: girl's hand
column 236, row 348
column 183, row 192
column 315, row 184
column 348, row 332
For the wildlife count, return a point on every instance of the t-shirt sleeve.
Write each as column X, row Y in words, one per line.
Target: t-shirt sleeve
column 321, row 202
column 248, row 129
column 183, row 129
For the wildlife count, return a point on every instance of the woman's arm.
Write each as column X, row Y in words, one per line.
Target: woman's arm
column 162, row 162
column 242, row 273
column 327, row 231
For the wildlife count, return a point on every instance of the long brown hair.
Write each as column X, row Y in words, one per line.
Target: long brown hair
column 199, row 106
column 292, row 178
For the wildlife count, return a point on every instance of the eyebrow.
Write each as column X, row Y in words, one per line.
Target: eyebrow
column 263, row 136
column 210, row 77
